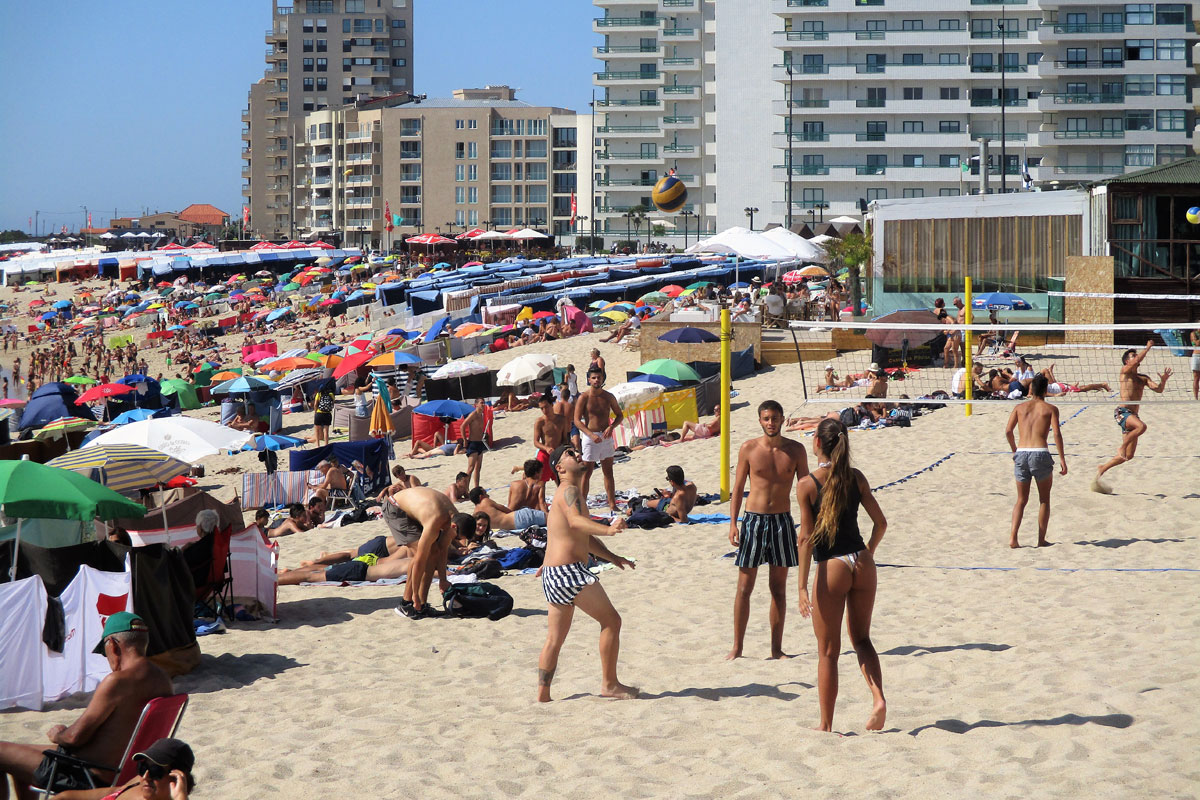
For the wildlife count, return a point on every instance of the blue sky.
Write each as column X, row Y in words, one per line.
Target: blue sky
column 135, row 105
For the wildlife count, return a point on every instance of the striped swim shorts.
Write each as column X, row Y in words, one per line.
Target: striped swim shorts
column 767, row 539
column 563, row 582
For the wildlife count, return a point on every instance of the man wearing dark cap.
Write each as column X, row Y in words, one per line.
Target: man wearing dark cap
column 103, row 730
column 164, row 773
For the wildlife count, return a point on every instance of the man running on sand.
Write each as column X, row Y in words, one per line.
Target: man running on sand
column 1132, row 384
column 597, row 415
column 1033, row 420
column 423, row 519
column 768, row 535
column 568, row 583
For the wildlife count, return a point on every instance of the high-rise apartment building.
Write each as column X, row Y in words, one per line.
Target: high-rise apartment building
column 320, row 54
column 804, row 108
column 479, row 159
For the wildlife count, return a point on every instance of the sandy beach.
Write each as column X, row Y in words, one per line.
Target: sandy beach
column 1065, row 671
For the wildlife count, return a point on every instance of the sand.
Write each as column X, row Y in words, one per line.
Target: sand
column 1065, row 671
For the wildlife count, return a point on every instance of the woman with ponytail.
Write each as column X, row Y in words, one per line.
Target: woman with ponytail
column 829, row 500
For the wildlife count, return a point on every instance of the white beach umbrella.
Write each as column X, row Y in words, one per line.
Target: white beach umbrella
column 525, row 369
column 186, row 438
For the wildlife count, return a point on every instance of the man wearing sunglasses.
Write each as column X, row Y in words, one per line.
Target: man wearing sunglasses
column 102, row 731
column 568, row 583
column 164, row 773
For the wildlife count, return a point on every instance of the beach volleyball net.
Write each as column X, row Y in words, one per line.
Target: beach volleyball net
column 841, row 361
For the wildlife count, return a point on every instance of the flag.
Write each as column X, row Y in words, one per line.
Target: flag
column 387, row 215
column 573, row 209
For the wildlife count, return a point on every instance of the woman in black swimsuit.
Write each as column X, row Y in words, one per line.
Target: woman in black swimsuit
column 829, row 498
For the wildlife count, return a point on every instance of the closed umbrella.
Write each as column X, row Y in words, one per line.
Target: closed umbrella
column 670, row 368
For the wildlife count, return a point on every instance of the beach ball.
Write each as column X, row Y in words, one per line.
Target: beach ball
column 1193, row 215
column 669, row 194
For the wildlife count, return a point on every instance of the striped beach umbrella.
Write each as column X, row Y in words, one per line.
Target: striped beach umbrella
column 123, row 467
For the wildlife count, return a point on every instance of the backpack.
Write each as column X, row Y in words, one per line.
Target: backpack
column 476, row 600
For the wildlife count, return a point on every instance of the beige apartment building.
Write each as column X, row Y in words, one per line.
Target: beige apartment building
column 479, row 159
column 320, row 54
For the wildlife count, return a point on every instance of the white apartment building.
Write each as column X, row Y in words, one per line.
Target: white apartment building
column 805, row 109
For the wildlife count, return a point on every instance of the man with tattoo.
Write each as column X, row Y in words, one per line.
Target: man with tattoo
column 568, row 583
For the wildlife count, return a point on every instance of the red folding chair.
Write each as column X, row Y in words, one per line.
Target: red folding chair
column 159, row 720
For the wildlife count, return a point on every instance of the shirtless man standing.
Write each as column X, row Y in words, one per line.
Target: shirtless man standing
column 1132, row 384
column 597, row 414
column 528, row 491
column 568, row 583
column 472, row 431
column 768, row 535
column 549, row 431
column 421, row 518
column 103, row 729
column 1033, row 420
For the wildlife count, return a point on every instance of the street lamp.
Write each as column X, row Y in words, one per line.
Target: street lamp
column 686, row 214
column 750, row 212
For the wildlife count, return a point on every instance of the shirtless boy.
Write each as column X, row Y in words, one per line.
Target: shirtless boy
column 528, row 491
column 422, row 518
column 503, row 518
column 1033, row 420
column 568, row 583
column 597, row 415
column 1132, row 384
column 549, row 431
column 472, row 428
column 773, row 464
column 103, row 729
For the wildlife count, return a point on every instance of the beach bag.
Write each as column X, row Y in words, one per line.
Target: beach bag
column 477, row 600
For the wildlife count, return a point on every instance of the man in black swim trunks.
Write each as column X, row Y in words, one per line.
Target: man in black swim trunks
column 472, row 432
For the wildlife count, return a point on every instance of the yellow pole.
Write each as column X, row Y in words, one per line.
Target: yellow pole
column 726, row 369
column 968, row 380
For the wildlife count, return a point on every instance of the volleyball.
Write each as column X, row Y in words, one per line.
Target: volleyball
column 1193, row 213
column 669, row 194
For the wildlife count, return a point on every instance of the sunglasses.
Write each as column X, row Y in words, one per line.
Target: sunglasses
column 151, row 770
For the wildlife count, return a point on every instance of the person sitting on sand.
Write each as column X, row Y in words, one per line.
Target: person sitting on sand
column 297, row 522
column 506, row 519
column 680, row 498
column 528, row 491
column 700, row 430
column 101, row 732
column 460, row 489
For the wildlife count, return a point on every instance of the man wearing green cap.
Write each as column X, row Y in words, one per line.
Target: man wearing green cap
column 102, row 731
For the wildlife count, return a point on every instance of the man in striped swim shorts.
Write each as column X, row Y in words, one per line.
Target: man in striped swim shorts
column 567, row 582
column 773, row 464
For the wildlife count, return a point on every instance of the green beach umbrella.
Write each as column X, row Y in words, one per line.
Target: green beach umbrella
column 669, row 368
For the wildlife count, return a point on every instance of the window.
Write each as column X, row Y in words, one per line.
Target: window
column 1139, row 84
column 949, row 58
column 472, row 149
column 1139, row 155
column 948, row 160
column 948, row 93
column 913, row 92
column 1172, row 84
column 502, row 149
column 1032, row 59
column 1139, row 14
column 912, row 59
column 913, row 193
column 949, row 25
column 1172, row 119
column 913, row 126
column 460, row 173
column 876, row 194
column 472, row 172
column 460, row 149
column 322, row 64
column 472, row 195
column 355, row 6
column 949, row 126
column 1171, row 152
column 1172, row 14
column 914, row 160
column 459, row 124
column 1172, row 49
column 307, row 65
column 460, row 195
column 912, row 25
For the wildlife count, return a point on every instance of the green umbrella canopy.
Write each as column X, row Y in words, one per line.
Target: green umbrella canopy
column 669, row 368
column 35, row 491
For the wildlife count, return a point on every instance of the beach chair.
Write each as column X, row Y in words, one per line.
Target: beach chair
column 159, row 720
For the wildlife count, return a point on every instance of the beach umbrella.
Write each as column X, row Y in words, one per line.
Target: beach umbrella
column 446, row 409
column 661, row 380
column 29, row 490
column 395, row 358
column 900, row 338
column 104, row 390
column 525, row 369
column 242, row 384
column 81, row 380
column 184, row 438
column 299, row 376
column 669, row 368
column 273, row 442
column 689, row 335
column 1000, row 301
column 671, row 290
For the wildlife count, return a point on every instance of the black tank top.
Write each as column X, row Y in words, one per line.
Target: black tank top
column 848, row 539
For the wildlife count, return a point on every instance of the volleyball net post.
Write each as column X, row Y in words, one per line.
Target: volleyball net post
column 969, row 383
column 726, row 336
